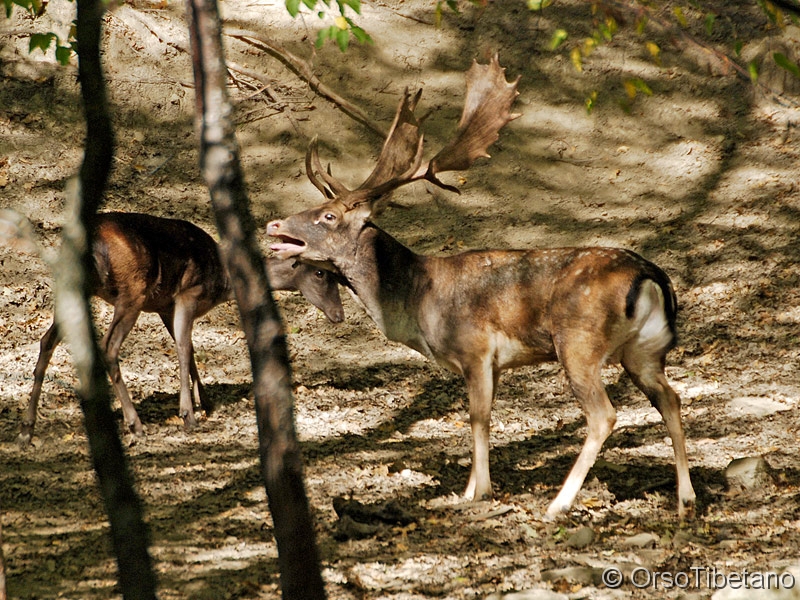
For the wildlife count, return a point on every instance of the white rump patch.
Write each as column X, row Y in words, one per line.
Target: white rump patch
column 649, row 318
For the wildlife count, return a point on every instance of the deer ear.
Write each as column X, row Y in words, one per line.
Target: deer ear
column 381, row 204
column 361, row 212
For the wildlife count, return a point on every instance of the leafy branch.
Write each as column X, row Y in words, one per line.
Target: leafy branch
column 343, row 26
column 681, row 24
column 43, row 41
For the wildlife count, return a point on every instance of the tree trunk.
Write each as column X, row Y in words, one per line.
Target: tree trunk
column 128, row 532
column 2, row 567
column 281, row 462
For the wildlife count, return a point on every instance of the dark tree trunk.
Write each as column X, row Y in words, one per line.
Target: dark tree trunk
column 2, row 567
column 128, row 532
column 281, row 462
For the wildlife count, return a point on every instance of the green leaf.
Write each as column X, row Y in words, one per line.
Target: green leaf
column 311, row 4
column 752, row 68
column 632, row 86
column 577, row 59
column 590, row 102
column 354, row 4
column 641, row 25
column 63, row 54
column 293, row 6
column 642, row 86
column 539, row 4
column 681, row 18
column 343, row 39
column 361, row 35
column 710, row 20
column 783, row 62
column 41, row 40
column 737, row 47
column 559, row 37
column 322, row 36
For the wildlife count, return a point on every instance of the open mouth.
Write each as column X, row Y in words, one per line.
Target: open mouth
column 288, row 246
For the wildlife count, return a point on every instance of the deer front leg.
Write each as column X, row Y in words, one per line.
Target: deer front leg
column 481, row 383
column 47, row 346
column 121, row 324
column 185, row 309
column 584, row 378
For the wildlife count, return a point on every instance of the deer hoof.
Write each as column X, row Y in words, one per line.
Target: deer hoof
column 136, row 428
column 555, row 512
column 24, row 439
column 686, row 510
column 189, row 422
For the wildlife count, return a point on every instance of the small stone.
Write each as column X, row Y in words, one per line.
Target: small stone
column 641, row 540
column 581, row 538
column 582, row 575
column 749, row 473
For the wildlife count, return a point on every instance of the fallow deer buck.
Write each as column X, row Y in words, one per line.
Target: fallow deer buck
column 481, row 312
column 171, row 267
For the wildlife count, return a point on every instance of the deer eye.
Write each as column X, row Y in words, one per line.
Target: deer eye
column 329, row 217
column 319, row 274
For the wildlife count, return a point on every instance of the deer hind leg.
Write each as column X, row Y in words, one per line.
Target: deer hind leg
column 185, row 311
column 121, row 324
column 481, row 383
column 198, row 391
column 646, row 370
column 643, row 358
column 583, row 373
column 47, row 346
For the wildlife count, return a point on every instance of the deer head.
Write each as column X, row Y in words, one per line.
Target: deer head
column 331, row 231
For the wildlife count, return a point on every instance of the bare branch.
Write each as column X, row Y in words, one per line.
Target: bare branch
column 302, row 69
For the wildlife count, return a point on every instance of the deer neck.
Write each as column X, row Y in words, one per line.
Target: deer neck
column 386, row 279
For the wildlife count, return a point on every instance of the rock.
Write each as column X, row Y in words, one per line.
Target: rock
column 642, row 540
column 582, row 575
column 581, row 538
column 756, row 406
column 749, row 473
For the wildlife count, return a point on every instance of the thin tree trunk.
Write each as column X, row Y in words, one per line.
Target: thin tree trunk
column 128, row 532
column 2, row 567
column 281, row 462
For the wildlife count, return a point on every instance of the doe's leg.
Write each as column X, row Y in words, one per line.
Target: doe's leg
column 198, row 391
column 185, row 310
column 121, row 324
column 583, row 373
column 47, row 346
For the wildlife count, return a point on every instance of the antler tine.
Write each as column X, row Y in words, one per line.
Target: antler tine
column 402, row 146
column 375, row 193
column 310, row 170
column 486, row 110
column 314, row 167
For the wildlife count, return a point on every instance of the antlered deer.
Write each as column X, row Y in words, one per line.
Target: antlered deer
column 171, row 267
column 481, row 312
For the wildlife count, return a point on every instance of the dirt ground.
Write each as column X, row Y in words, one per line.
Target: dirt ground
column 700, row 177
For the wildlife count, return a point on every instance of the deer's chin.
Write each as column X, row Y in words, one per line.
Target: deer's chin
column 286, row 250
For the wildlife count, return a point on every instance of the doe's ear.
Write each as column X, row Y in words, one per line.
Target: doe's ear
column 381, row 204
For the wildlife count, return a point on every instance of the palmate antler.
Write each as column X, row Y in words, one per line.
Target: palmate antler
column 486, row 110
